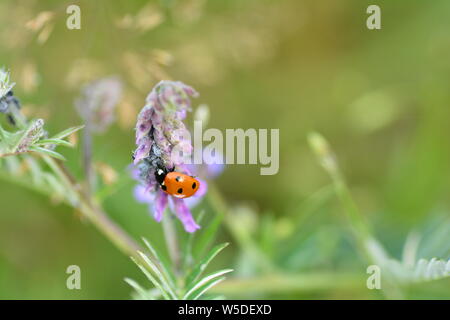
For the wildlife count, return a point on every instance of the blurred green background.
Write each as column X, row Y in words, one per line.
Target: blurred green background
column 381, row 97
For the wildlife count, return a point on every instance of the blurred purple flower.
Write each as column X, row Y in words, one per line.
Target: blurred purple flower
column 98, row 101
column 159, row 130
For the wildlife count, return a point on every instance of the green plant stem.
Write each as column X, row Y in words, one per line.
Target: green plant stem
column 358, row 224
column 11, row 154
column 173, row 247
column 87, row 158
column 366, row 243
column 94, row 213
column 112, row 231
column 83, row 201
column 361, row 230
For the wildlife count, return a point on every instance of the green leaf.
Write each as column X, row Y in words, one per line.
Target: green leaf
column 67, row 132
column 12, row 164
column 47, row 152
column 141, row 291
column 205, row 288
column 57, row 188
column 164, row 269
column 54, row 142
column 152, row 279
column 3, row 134
column 201, row 266
column 160, row 276
column 204, row 282
column 35, row 170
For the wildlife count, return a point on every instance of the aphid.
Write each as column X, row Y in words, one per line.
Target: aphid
column 176, row 184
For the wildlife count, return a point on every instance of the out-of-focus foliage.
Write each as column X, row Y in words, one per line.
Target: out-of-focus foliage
column 380, row 97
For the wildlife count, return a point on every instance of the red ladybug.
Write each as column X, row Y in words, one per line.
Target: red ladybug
column 176, row 184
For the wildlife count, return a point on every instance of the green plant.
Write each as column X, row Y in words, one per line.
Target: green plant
column 26, row 145
column 186, row 284
column 398, row 273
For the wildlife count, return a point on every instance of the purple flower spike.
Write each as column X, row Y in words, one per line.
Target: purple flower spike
column 143, row 150
column 159, row 130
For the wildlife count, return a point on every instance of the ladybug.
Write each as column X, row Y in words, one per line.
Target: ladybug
column 176, row 184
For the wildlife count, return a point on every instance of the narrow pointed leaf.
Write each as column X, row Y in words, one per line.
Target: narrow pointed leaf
column 57, row 188
column 206, row 288
column 160, row 276
column 141, row 291
column 54, row 142
column 67, row 132
column 201, row 266
column 47, row 152
column 152, row 280
column 3, row 134
column 205, row 281
column 164, row 269
column 35, row 170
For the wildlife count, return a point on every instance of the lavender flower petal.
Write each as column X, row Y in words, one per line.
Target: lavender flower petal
column 143, row 150
column 184, row 215
column 214, row 170
column 142, row 195
column 161, row 200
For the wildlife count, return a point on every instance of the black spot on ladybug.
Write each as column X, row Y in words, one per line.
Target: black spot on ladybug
column 194, row 185
column 164, row 187
column 178, row 179
column 180, row 190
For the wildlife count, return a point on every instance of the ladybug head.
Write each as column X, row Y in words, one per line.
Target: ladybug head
column 160, row 174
